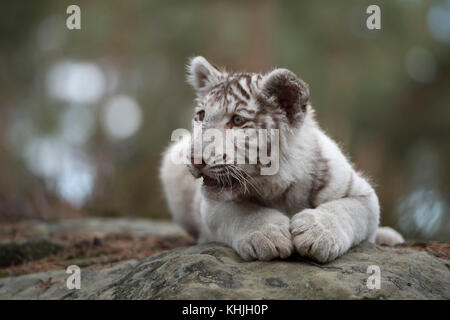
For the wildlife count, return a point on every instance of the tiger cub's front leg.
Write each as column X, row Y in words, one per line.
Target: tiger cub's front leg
column 328, row 231
column 253, row 231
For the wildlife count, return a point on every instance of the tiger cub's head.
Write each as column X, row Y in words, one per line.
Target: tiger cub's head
column 254, row 112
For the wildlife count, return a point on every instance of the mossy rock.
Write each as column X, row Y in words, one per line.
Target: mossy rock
column 25, row 250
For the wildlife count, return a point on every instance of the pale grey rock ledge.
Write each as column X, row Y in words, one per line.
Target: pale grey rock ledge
column 105, row 225
column 213, row 271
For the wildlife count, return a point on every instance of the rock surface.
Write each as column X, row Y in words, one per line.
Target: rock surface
column 213, row 271
column 37, row 246
column 98, row 226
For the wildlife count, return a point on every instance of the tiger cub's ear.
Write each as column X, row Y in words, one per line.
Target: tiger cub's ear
column 201, row 74
column 288, row 92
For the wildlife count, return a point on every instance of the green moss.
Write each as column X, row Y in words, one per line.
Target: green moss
column 21, row 251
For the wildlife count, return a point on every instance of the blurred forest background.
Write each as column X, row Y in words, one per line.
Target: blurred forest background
column 85, row 114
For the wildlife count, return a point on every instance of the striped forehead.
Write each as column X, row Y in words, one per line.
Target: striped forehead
column 234, row 91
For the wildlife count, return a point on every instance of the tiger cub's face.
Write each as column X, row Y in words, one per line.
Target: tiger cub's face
column 238, row 121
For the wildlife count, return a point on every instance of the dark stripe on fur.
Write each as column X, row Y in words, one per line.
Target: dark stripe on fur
column 349, row 186
column 319, row 178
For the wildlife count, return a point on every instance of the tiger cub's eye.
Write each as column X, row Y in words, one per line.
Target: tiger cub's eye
column 201, row 115
column 238, row 120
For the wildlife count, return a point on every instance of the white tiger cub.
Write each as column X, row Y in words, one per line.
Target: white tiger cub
column 316, row 204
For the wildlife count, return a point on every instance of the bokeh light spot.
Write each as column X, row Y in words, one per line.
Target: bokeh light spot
column 420, row 65
column 438, row 21
column 121, row 117
column 76, row 82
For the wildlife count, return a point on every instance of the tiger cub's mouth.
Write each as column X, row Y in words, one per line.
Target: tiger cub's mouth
column 219, row 182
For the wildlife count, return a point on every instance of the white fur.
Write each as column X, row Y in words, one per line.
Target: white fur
column 281, row 219
column 388, row 236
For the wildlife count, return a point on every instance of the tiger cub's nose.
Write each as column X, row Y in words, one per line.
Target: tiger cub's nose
column 198, row 165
